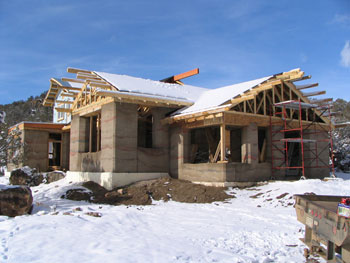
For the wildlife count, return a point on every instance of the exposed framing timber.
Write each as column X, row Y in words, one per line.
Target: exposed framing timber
column 76, row 70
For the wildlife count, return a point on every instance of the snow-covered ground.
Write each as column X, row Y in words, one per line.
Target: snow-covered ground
column 243, row 229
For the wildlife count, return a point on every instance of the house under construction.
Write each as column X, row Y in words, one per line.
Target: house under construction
column 117, row 129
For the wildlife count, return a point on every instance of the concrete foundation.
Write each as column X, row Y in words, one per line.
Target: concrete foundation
column 112, row 180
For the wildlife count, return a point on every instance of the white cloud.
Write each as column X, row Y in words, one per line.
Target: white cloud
column 341, row 19
column 345, row 55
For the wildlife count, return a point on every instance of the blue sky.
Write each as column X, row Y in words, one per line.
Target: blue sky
column 230, row 41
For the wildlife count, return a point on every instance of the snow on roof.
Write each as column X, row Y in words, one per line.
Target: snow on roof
column 152, row 88
column 213, row 98
column 69, row 84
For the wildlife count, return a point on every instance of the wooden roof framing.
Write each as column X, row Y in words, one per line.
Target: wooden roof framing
column 279, row 87
column 96, row 91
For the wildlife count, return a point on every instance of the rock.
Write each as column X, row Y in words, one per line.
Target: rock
column 282, row 195
column 15, row 200
column 121, row 191
column 26, row 176
column 94, row 214
column 95, row 188
column 54, row 176
column 78, row 195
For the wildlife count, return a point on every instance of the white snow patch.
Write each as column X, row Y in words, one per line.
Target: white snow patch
column 126, row 83
column 244, row 229
column 216, row 97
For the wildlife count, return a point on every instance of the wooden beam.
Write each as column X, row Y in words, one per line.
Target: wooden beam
column 90, row 135
column 64, row 101
column 217, row 152
column 222, row 142
column 302, row 78
column 75, row 70
column 70, row 88
column 186, row 74
column 73, row 80
column 137, row 99
column 99, row 85
column 88, row 77
column 315, row 93
column 307, row 86
column 176, row 78
column 321, row 101
column 243, row 98
column 63, row 110
column 68, row 95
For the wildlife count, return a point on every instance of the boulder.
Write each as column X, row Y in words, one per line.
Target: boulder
column 26, row 176
column 78, row 195
column 54, row 176
column 15, row 200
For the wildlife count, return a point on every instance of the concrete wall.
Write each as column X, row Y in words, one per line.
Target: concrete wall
column 65, row 150
column 119, row 152
column 250, row 150
column 126, row 138
column 322, row 154
column 179, row 150
column 36, row 149
column 78, row 142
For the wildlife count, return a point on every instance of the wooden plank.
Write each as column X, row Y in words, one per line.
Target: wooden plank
column 321, row 101
column 265, row 105
column 63, row 110
column 244, row 119
column 186, row 74
column 90, row 134
column 64, row 102
column 315, row 93
column 215, row 159
column 222, row 142
column 307, row 86
column 263, row 152
column 236, row 101
column 68, row 95
column 76, row 70
column 302, row 78
column 70, row 88
column 139, row 98
column 100, row 85
column 73, row 80
column 88, row 77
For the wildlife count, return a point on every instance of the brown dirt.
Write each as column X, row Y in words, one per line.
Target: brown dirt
column 166, row 189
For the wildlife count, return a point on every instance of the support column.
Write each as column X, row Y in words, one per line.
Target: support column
column 223, row 142
column 78, row 141
column 108, row 137
column 250, row 150
column 126, row 137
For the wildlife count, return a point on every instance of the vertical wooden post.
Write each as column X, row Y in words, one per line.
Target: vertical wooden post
column 98, row 127
column 90, row 135
column 273, row 100
column 223, row 142
column 290, row 98
column 265, row 102
column 254, row 104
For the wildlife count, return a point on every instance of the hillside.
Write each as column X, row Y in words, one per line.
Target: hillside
column 18, row 111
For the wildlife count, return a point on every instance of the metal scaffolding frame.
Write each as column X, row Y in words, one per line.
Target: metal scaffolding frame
column 292, row 117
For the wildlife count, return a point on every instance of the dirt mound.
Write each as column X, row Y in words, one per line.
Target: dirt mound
column 166, row 189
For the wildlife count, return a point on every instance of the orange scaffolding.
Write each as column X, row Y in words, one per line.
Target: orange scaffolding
column 297, row 142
